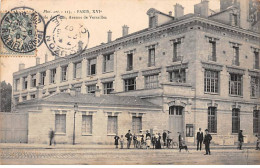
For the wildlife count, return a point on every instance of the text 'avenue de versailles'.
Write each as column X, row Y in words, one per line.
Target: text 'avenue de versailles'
column 182, row 73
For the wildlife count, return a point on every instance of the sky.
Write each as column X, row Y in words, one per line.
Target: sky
column 118, row 13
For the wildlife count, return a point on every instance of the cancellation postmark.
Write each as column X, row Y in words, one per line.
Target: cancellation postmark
column 65, row 37
column 19, row 36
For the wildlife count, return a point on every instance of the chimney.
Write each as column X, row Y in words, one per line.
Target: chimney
column 244, row 14
column 72, row 91
column 109, row 36
column 170, row 13
column 202, row 9
column 37, row 60
column 46, row 57
column 125, row 30
column 21, row 66
column 178, row 10
column 97, row 92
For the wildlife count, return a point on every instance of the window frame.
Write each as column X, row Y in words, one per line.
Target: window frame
column 60, row 129
column 53, row 73
column 91, row 62
column 77, row 70
column 108, row 63
column 64, row 73
column 84, row 125
column 136, row 128
column 180, row 79
column 212, row 119
column 151, row 81
column 211, row 81
column 151, row 57
column 108, row 90
column 109, row 128
column 128, row 84
column 235, row 120
column 237, row 82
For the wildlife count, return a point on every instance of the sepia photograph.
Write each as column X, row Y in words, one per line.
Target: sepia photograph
column 129, row 82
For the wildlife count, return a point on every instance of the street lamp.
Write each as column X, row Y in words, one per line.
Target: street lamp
column 75, row 111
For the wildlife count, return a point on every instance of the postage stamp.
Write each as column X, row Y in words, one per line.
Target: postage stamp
column 64, row 37
column 19, row 33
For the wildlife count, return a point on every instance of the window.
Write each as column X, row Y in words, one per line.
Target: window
column 64, row 90
column 24, row 98
column 129, row 62
column 254, row 89
column 256, row 121
column 235, row 84
column 77, row 90
column 212, row 56
column 151, row 81
column 53, row 76
column 175, row 110
column 91, row 89
column 210, row 81
column 136, row 124
column 178, row 76
column 152, row 22
column 130, row 84
column 77, row 70
column 60, row 123
column 33, row 96
column 235, row 120
column 112, row 125
column 151, row 58
column 108, row 87
column 33, row 81
column 177, row 51
column 235, row 56
column 25, row 82
column 86, row 124
column 256, row 64
column 42, row 79
column 212, row 119
column 17, row 81
column 189, row 130
column 92, row 66
column 64, row 73
column 108, row 65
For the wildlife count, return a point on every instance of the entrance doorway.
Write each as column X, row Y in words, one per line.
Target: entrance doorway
column 175, row 121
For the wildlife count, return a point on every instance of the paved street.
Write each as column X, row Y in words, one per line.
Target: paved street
column 124, row 156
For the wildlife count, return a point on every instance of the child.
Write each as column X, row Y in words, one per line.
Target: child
column 116, row 141
column 148, row 142
column 122, row 141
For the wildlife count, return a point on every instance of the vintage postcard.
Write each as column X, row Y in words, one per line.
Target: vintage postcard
column 130, row 82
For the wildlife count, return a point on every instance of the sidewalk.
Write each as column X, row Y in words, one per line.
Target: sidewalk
column 96, row 146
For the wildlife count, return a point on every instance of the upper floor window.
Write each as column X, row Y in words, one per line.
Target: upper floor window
column 211, row 81
column 25, row 82
column 235, row 84
column 16, row 84
column 92, row 63
column 108, row 62
column 91, row 88
column 108, row 87
column 212, row 119
column 177, row 51
column 42, row 77
column 77, row 70
column 129, row 62
column 235, row 60
column 212, row 50
column 53, row 76
column 256, row 60
column 64, row 73
column 178, row 76
column 130, row 84
column 254, row 86
column 33, row 96
column 152, row 81
column 151, row 57
column 33, row 80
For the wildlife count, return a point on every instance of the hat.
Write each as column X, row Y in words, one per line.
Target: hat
column 206, row 130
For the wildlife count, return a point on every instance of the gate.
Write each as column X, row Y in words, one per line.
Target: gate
column 13, row 127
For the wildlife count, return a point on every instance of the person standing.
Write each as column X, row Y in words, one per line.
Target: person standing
column 51, row 136
column 240, row 139
column 122, row 141
column 135, row 141
column 128, row 138
column 116, row 141
column 164, row 135
column 206, row 141
column 199, row 139
column 147, row 134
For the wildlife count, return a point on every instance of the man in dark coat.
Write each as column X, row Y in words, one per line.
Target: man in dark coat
column 128, row 138
column 199, row 139
column 164, row 135
column 240, row 139
column 51, row 136
column 206, row 141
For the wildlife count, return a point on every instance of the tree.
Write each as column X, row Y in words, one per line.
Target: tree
column 5, row 97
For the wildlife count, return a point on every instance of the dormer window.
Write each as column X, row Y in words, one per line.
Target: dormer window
column 152, row 21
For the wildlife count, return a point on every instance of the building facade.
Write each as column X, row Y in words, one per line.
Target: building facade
column 201, row 70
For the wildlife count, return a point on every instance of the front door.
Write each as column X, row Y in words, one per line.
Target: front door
column 175, row 121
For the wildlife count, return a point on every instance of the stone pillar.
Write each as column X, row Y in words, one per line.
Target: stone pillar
column 70, row 71
column 84, row 68
column 58, row 75
column 47, row 78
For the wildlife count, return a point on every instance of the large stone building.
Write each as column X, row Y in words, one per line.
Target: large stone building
column 184, row 72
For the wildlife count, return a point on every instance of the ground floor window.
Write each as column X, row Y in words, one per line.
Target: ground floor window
column 136, row 124
column 189, row 130
column 212, row 119
column 256, row 121
column 60, row 123
column 112, row 125
column 235, row 120
column 87, row 124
